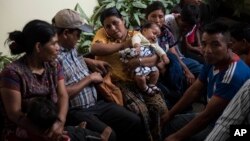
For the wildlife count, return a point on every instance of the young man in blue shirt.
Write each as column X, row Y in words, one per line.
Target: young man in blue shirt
column 222, row 76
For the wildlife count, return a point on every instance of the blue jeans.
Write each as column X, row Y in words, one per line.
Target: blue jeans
column 193, row 65
column 180, row 121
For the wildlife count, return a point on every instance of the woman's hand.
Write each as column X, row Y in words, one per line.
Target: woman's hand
column 126, row 44
column 132, row 64
column 98, row 66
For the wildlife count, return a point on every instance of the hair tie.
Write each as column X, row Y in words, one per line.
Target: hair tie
column 13, row 45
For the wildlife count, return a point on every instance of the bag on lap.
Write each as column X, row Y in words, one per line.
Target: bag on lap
column 109, row 91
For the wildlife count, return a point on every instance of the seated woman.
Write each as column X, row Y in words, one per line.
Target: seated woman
column 114, row 36
column 181, row 71
column 35, row 74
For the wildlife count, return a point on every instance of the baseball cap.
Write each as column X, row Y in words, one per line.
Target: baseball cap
column 68, row 18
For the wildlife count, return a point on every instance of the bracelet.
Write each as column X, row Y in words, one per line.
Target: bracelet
column 140, row 60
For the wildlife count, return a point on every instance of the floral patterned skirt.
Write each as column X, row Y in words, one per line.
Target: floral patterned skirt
column 149, row 108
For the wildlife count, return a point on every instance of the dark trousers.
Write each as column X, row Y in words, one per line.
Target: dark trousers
column 180, row 121
column 126, row 125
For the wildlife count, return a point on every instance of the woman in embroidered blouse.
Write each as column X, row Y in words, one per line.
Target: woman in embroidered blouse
column 35, row 74
column 114, row 36
column 178, row 76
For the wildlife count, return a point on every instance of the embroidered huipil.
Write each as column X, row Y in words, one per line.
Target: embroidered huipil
column 18, row 76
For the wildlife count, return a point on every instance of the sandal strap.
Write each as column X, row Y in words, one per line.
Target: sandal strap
column 154, row 88
column 149, row 91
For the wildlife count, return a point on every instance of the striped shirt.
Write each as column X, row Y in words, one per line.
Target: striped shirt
column 75, row 69
column 236, row 113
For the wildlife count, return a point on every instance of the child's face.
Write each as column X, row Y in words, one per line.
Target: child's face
column 152, row 33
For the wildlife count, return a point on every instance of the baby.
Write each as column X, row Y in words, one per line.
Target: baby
column 43, row 113
column 145, row 44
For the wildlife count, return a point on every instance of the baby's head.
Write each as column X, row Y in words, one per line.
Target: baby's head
column 42, row 113
column 151, row 31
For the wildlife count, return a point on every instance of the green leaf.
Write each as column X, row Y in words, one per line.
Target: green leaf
column 126, row 20
column 112, row 4
column 169, row 2
column 141, row 16
column 82, row 13
column 118, row 5
column 96, row 14
column 104, row 1
column 87, row 43
column 167, row 11
column 131, row 11
column 123, row 13
column 4, row 59
column 88, row 34
column 137, row 19
column 139, row 4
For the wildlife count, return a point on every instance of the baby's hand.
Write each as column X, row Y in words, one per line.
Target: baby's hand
column 137, row 48
column 165, row 59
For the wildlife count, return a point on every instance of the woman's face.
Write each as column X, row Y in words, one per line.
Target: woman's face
column 49, row 51
column 115, row 27
column 157, row 17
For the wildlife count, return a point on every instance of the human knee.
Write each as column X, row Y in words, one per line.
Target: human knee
column 136, row 120
column 112, row 136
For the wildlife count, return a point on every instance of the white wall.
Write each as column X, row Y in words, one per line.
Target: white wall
column 15, row 14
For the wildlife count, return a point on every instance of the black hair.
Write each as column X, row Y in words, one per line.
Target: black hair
column 112, row 11
column 148, row 25
column 181, row 3
column 190, row 14
column 217, row 27
column 33, row 32
column 156, row 5
column 240, row 31
column 42, row 112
